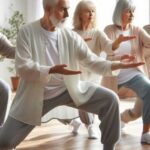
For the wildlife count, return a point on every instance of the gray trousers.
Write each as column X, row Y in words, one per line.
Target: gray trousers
column 140, row 84
column 4, row 100
column 104, row 103
column 86, row 117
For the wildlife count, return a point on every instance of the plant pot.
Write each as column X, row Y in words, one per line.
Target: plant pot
column 15, row 82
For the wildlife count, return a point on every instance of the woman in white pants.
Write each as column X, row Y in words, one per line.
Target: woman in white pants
column 134, row 79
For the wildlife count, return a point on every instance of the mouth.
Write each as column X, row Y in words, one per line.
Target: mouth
column 130, row 19
column 63, row 20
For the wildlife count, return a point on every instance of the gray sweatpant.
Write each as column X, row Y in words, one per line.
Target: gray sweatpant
column 86, row 118
column 104, row 103
column 4, row 100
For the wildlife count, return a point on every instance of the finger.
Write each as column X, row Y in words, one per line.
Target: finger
column 134, row 65
column 141, row 63
column 63, row 65
column 130, row 37
column 71, row 72
column 131, row 58
column 133, row 36
column 88, row 39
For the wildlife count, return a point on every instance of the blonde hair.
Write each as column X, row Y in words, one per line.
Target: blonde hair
column 76, row 18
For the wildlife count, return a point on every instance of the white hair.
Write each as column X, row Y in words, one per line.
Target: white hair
column 49, row 3
column 120, row 7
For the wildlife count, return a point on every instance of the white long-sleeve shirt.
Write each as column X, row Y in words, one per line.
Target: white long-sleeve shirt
column 33, row 70
column 56, row 85
column 99, row 42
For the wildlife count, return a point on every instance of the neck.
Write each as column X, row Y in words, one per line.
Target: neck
column 86, row 26
column 125, row 27
column 47, row 25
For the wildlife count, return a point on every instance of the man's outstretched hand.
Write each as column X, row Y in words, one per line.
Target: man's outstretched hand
column 61, row 69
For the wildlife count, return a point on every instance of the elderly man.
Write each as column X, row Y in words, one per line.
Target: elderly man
column 47, row 60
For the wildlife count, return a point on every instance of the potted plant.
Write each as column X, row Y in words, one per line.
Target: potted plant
column 14, row 22
column 14, row 77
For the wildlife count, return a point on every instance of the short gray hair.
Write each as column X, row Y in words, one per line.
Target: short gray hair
column 49, row 3
column 120, row 7
column 76, row 18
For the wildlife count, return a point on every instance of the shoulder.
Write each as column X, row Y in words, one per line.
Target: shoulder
column 71, row 34
column 2, row 36
column 29, row 27
column 147, row 28
column 4, row 40
column 137, row 29
column 98, row 31
column 110, row 27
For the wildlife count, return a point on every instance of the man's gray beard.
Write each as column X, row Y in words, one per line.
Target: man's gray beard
column 57, row 23
column 61, row 24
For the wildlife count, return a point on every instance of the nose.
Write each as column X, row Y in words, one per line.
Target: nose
column 132, row 14
column 66, row 14
column 91, row 13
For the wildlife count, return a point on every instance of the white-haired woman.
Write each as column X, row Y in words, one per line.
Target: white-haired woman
column 6, row 50
column 84, row 23
column 135, row 78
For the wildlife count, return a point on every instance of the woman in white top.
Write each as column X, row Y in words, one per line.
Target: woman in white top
column 84, row 23
column 135, row 78
column 6, row 50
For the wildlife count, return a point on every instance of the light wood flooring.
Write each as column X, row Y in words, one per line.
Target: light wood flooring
column 56, row 136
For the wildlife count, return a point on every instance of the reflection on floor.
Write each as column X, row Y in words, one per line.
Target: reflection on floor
column 56, row 136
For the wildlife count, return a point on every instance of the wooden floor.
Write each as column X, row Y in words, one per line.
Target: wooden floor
column 56, row 136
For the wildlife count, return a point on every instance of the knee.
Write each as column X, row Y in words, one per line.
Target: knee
column 112, row 102
column 135, row 113
column 128, row 115
column 5, row 89
column 113, row 99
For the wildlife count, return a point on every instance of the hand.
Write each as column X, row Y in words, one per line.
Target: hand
column 123, row 65
column 127, row 58
column 130, row 65
column 61, row 70
column 87, row 39
column 123, row 38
